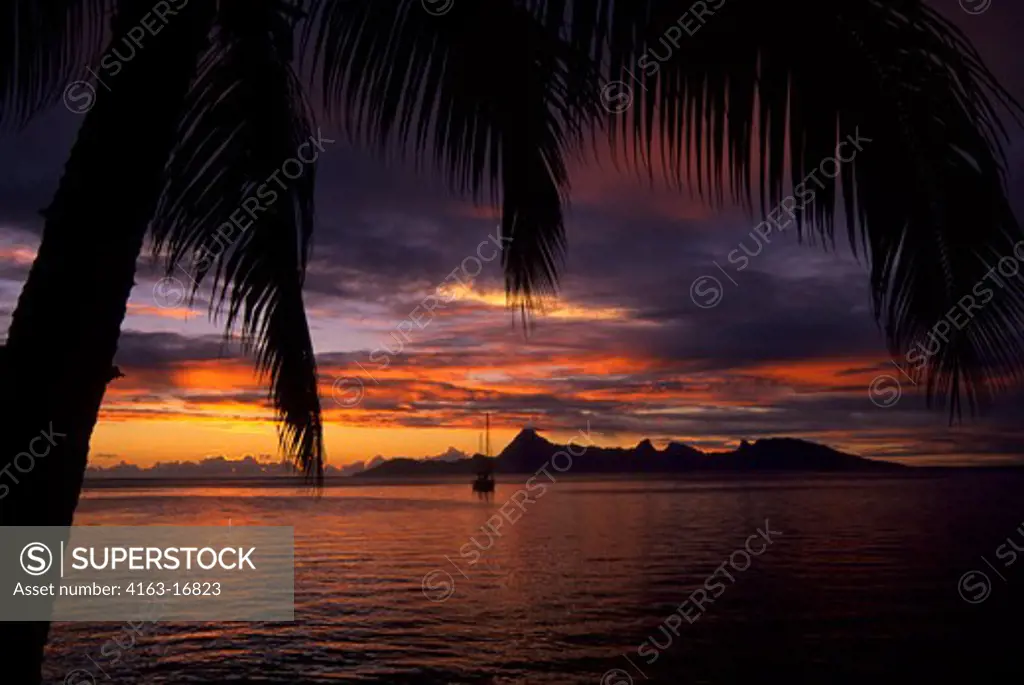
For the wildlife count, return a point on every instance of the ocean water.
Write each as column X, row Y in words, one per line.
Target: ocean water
column 863, row 581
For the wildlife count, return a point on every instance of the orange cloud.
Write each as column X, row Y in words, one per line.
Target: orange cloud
column 179, row 313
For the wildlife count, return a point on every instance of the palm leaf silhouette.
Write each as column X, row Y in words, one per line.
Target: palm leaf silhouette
column 731, row 104
column 487, row 91
column 43, row 44
column 245, row 117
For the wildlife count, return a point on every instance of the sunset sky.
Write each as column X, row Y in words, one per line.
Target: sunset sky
column 790, row 350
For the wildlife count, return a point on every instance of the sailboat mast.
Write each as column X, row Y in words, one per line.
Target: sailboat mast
column 487, row 416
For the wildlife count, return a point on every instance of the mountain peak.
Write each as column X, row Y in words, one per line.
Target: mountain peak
column 451, row 454
column 528, row 435
column 645, row 448
column 528, row 441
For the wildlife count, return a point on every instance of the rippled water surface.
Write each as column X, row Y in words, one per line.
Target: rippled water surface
column 861, row 585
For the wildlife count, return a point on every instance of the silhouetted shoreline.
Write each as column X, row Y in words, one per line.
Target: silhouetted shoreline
column 917, row 472
column 530, row 453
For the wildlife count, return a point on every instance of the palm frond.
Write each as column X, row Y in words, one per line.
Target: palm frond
column 43, row 43
column 485, row 90
column 238, row 206
column 734, row 101
column 935, row 211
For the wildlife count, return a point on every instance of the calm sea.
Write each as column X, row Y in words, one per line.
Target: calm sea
column 861, row 582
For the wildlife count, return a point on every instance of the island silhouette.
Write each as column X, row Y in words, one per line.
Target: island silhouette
column 529, row 451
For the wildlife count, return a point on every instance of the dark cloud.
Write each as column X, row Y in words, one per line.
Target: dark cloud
column 142, row 350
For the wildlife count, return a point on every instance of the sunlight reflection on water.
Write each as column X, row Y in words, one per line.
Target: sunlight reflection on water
column 583, row 577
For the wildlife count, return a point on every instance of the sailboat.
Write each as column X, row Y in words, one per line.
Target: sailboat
column 485, row 476
column 484, row 482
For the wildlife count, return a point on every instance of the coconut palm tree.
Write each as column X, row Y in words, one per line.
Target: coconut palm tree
column 729, row 101
column 196, row 119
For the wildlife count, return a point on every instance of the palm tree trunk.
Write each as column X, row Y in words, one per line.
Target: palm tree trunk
column 65, row 329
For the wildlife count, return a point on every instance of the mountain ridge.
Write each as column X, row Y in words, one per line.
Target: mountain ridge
column 528, row 452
